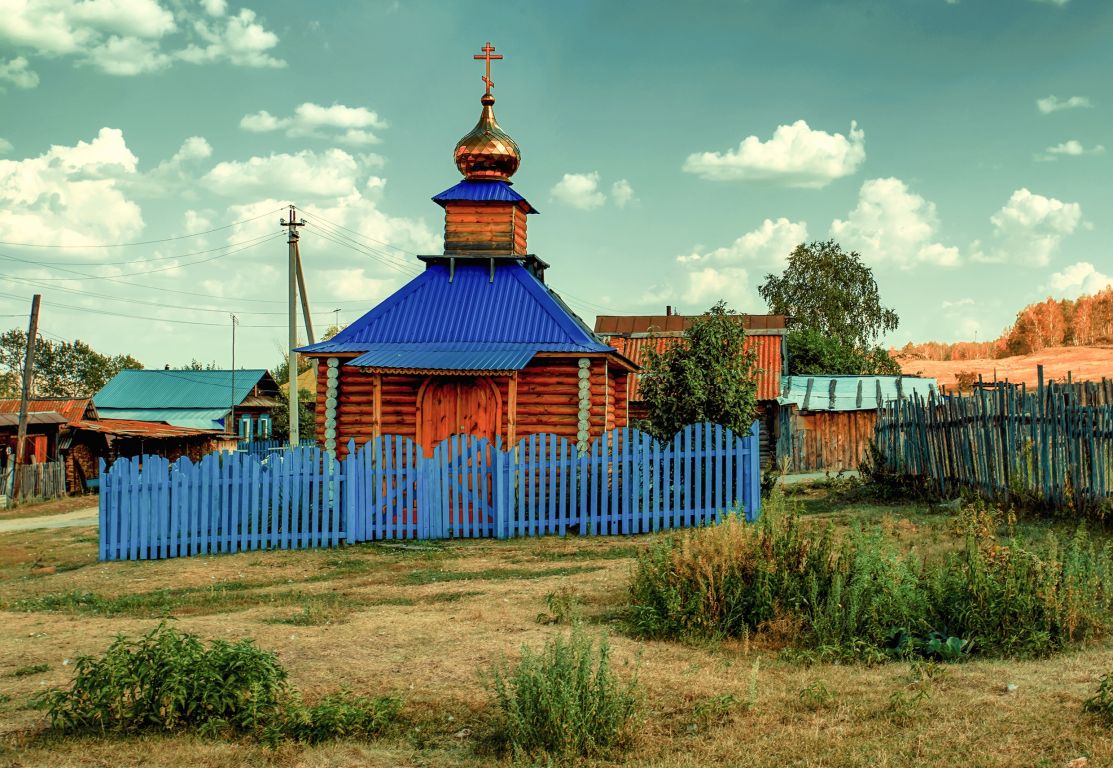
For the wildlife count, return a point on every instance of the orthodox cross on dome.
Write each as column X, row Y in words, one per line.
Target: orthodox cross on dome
column 488, row 54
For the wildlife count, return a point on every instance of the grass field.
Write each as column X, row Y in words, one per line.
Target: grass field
column 425, row 620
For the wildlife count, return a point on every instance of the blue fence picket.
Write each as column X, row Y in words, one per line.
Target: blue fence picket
column 625, row 482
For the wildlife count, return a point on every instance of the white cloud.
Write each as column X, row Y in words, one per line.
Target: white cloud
column 1029, row 228
column 332, row 173
column 355, row 283
column 1079, row 279
column 707, row 285
column 315, row 121
column 71, row 195
column 131, row 37
column 893, row 225
column 582, row 190
column 1070, row 148
column 18, row 73
column 238, row 39
column 1049, row 104
column 128, row 56
column 769, row 245
column 622, row 194
column 579, row 190
column 1053, row 2
column 796, row 156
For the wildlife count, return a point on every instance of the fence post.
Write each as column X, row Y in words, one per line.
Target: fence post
column 501, row 490
column 753, row 509
column 102, row 509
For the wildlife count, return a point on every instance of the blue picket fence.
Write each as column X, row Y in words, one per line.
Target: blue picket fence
column 469, row 487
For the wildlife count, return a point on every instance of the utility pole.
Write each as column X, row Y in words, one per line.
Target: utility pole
column 306, row 316
column 292, row 225
column 232, row 407
column 28, row 368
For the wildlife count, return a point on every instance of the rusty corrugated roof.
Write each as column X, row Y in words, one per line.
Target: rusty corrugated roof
column 147, row 429
column 626, row 325
column 73, row 409
column 769, row 358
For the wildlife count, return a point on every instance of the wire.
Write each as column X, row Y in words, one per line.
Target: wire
column 311, row 212
column 386, row 257
column 100, row 311
column 87, row 263
column 148, row 242
column 396, row 267
column 257, row 241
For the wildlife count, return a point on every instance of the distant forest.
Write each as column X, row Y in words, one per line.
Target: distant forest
column 1083, row 322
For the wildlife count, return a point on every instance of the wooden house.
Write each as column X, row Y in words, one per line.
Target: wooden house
column 477, row 343
column 826, row 422
column 238, row 401
column 635, row 335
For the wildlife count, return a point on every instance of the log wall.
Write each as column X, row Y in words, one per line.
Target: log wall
column 484, row 228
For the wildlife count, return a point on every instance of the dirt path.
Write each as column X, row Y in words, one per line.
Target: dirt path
column 87, row 516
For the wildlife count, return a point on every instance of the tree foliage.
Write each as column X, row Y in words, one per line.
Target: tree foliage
column 811, row 353
column 828, row 290
column 709, row 375
column 62, row 369
column 307, row 419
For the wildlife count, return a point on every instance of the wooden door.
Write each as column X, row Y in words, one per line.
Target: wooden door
column 455, row 405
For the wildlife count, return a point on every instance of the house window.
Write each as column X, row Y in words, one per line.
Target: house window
column 263, row 427
column 245, row 428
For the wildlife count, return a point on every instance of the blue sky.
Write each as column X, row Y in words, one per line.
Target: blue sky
column 676, row 151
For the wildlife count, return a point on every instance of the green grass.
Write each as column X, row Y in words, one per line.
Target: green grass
column 439, row 575
column 31, row 669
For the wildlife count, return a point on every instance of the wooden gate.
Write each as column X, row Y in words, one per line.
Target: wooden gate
column 461, row 493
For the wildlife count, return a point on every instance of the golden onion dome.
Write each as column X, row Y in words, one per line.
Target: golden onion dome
column 487, row 152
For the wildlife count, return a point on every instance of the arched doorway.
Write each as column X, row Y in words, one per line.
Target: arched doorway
column 452, row 405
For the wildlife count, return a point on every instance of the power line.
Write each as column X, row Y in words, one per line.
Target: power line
column 393, row 265
column 359, row 234
column 89, row 264
column 146, row 242
column 257, row 241
column 138, row 317
column 390, row 257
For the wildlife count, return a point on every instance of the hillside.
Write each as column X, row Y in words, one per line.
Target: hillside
column 1084, row 363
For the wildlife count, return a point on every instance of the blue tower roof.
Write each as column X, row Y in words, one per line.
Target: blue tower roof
column 482, row 191
column 470, row 318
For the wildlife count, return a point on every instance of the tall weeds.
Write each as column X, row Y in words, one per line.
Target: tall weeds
column 863, row 596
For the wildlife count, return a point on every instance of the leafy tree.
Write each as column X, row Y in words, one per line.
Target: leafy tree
column 307, row 419
column 709, row 375
column 197, row 365
column 834, row 312
column 817, row 354
column 828, row 290
column 62, row 369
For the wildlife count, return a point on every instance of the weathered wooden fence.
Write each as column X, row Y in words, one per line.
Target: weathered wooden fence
column 387, row 488
column 1005, row 441
column 46, row 480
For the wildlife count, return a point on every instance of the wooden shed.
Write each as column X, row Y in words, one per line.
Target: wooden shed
column 477, row 343
column 826, row 422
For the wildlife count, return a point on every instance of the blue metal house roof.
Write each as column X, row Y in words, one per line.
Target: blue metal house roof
column 479, row 320
column 482, row 191
column 197, row 418
column 850, row 393
column 177, row 389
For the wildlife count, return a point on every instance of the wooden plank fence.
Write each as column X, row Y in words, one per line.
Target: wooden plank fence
column 45, row 480
column 1007, row 442
column 387, row 488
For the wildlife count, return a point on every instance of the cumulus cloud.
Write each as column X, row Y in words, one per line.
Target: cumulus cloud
column 19, row 73
column 707, row 285
column 1079, row 279
column 769, row 246
column 796, row 156
column 131, row 37
column 893, row 225
column 71, row 194
column 1070, row 148
column 1053, row 103
column 582, row 190
column 5, row 146
column 239, row 40
column 333, row 173
column 1029, row 229
column 349, row 125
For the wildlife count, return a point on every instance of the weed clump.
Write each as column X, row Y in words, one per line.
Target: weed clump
column 1101, row 703
column 170, row 681
column 863, row 598
column 562, row 702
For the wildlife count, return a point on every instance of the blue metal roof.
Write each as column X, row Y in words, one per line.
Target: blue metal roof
column 817, row 396
column 482, row 191
column 472, row 322
column 198, row 418
column 177, row 389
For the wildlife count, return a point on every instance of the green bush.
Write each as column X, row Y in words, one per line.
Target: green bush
column 170, row 681
column 562, row 702
column 1101, row 703
column 863, row 597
